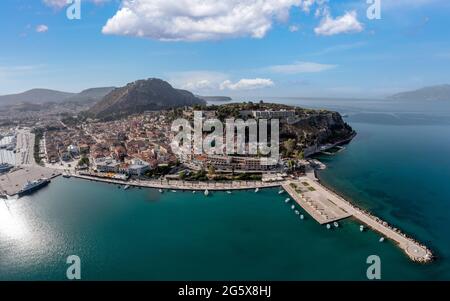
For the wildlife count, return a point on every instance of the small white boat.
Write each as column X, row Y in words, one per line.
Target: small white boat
column 257, row 189
column 293, row 207
column 229, row 192
column 66, row 175
column 336, row 225
column 328, row 226
column 193, row 191
column 297, row 212
column 206, row 192
column 381, row 239
column 281, row 192
column 361, row 228
column 302, row 216
column 174, row 191
column 287, row 200
column 161, row 191
column 126, row 187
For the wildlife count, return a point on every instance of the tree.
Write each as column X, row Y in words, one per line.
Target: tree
column 211, row 170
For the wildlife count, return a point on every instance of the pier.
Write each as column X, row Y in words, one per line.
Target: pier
column 325, row 206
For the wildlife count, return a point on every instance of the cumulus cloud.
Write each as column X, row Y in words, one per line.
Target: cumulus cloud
column 196, row 20
column 197, row 81
column 348, row 23
column 247, row 84
column 41, row 28
column 300, row 67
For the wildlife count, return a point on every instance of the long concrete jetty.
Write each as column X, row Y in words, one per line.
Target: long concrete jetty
column 326, row 206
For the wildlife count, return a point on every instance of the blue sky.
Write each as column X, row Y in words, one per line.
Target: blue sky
column 313, row 48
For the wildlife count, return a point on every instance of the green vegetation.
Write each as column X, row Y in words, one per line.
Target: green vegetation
column 38, row 135
column 83, row 161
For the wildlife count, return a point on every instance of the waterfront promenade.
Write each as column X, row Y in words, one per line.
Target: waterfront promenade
column 186, row 185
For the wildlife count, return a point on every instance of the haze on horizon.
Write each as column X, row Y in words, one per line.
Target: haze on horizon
column 310, row 48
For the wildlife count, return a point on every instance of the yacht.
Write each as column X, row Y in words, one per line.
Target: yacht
column 5, row 167
column 31, row 186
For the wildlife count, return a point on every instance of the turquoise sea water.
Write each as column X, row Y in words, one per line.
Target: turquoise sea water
column 398, row 167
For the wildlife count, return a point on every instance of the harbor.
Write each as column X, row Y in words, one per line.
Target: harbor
column 327, row 207
column 13, row 182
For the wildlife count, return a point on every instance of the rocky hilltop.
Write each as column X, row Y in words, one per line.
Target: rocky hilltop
column 301, row 134
column 142, row 95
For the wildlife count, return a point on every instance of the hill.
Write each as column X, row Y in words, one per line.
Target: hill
column 440, row 93
column 142, row 95
column 35, row 96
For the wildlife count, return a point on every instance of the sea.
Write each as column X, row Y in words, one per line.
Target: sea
column 398, row 167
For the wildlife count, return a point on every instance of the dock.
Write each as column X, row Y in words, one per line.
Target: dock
column 325, row 206
column 11, row 183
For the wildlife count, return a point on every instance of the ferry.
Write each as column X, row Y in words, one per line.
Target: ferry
column 33, row 186
column 5, row 167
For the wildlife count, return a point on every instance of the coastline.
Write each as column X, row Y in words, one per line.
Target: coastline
column 415, row 250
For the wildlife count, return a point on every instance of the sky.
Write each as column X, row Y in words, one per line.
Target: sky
column 238, row 48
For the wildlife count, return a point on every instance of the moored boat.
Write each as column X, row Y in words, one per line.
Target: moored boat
column 31, row 186
column 206, row 192
column 336, row 225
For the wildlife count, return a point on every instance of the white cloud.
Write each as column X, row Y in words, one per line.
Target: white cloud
column 42, row 28
column 300, row 67
column 348, row 23
column 294, row 28
column 196, row 20
column 247, row 84
column 197, row 81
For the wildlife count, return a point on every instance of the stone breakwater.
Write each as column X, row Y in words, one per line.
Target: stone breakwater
column 414, row 249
